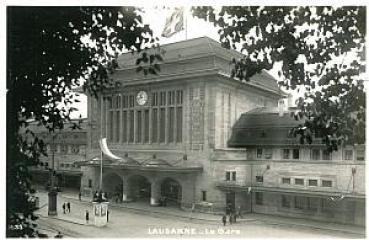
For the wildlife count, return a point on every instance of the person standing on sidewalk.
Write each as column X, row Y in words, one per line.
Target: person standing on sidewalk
column 224, row 219
column 107, row 216
column 239, row 212
column 87, row 216
column 68, row 206
column 79, row 196
column 63, row 208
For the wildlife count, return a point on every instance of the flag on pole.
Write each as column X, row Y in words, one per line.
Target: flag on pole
column 104, row 148
column 174, row 23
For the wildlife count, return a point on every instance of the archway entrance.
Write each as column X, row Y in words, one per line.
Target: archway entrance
column 171, row 190
column 113, row 185
column 140, row 188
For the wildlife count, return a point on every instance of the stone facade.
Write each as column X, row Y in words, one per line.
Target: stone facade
column 179, row 136
column 67, row 148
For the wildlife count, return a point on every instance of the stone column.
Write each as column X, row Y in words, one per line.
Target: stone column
column 155, row 193
column 126, row 190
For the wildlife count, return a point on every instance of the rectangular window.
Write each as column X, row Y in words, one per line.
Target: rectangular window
column 179, row 124
column 124, row 124
column 313, row 182
column 131, row 126
column 299, row 181
column 203, row 193
column 299, row 202
column 268, row 153
column 312, row 203
column 326, row 155
column 117, row 133
column 154, row 101
column 259, row 198
column 326, row 183
column 349, row 154
column 171, row 125
column 154, row 127
column 131, row 101
column 171, row 97
column 228, row 176
column 110, row 125
column 162, row 125
column 179, row 97
column 119, row 99
column 315, row 154
column 125, row 102
column 296, row 153
column 286, row 154
column 286, row 201
column 259, row 153
column 89, row 183
column 286, row 180
column 325, row 205
column 139, row 127
column 360, row 155
column 259, row 179
column 233, row 176
column 163, row 98
column 146, row 125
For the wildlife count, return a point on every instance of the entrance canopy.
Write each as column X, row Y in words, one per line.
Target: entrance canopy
column 151, row 164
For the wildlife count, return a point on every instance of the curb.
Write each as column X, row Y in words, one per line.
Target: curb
column 61, row 219
column 271, row 222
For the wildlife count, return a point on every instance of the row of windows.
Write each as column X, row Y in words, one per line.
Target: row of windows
column 315, row 154
column 310, row 182
column 162, row 98
column 62, row 165
column 66, row 149
column 298, row 202
column 162, row 122
column 304, row 203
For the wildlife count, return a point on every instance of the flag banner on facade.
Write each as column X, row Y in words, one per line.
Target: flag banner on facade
column 174, row 23
column 104, row 148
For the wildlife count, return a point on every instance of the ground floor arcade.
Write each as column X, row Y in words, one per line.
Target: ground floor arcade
column 156, row 186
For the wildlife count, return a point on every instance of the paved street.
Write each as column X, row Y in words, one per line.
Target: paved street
column 126, row 222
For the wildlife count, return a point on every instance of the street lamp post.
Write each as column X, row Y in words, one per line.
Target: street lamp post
column 53, row 193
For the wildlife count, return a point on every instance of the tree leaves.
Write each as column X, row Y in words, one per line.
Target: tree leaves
column 334, row 102
column 52, row 50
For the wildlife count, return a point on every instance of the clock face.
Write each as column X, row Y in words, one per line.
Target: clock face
column 141, row 98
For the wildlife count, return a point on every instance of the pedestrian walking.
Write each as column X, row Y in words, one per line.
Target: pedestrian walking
column 224, row 219
column 79, row 196
column 230, row 218
column 87, row 216
column 59, row 235
column 68, row 206
column 63, row 208
column 239, row 212
column 107, row 216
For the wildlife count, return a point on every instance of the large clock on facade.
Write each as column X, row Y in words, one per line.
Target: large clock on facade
column 141, row 98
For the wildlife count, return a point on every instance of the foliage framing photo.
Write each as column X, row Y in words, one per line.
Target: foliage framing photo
column 51, row 50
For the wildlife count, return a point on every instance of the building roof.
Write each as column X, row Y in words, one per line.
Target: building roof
column 264, row 126
column 186, row 54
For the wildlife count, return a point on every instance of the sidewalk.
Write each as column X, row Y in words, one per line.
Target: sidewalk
column 77, row 215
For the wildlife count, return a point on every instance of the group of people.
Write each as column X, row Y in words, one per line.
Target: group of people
column 100, row 196
column 66, row 207
column 232, row 215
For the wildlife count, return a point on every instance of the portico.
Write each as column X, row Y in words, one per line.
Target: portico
column 149, row 181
